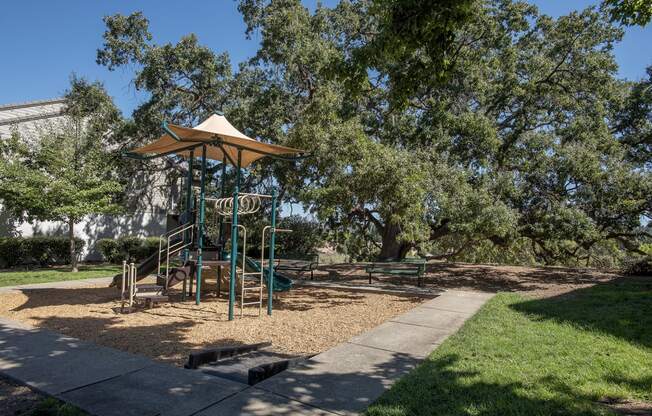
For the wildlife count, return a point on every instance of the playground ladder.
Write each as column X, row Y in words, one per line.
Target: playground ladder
column 244, row 289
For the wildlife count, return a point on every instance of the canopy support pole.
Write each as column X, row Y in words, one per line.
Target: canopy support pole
column 186, row 251
column 200, row 227
column 222, row 193
column 187, row 235
column 234, row 239
column 270, row 270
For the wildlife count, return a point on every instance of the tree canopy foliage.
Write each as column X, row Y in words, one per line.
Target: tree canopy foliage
column 629, row 12
column 482, row 130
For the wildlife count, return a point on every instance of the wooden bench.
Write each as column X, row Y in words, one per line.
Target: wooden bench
column 407, row 267
column 298, row 265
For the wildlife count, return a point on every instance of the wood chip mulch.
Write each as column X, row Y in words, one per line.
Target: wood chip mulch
column 305, row 320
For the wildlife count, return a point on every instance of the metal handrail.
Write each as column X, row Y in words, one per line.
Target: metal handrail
column 129, row 273
column 172, row 249
column 262, row 251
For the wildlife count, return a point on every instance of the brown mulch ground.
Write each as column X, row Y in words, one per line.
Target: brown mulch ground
column 535, row 281
column 16, row 399
column 305, row 320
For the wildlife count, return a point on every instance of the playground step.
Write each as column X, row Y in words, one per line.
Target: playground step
column 157, row 298
column 149, row 288
column 151, row 300
column 149, row 292
column 251, row 368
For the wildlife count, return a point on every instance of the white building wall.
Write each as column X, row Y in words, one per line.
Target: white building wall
column 150, row 195
column 94, row 228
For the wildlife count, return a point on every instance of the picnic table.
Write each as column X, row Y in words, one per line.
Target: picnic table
column 307, row 264
column 412, row 267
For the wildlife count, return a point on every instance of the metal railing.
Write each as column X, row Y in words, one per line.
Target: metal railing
column 270, row 279
column 172, row 248
column 129, row 273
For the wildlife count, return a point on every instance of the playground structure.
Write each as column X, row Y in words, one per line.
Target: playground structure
column 219, row 141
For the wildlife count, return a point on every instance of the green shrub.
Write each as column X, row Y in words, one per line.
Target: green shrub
column 641, row 266
column 41, row 250
column 131, row 249
column 109, row 250
column 304, row 240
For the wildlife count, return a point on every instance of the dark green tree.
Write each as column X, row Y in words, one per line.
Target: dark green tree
column 67, row 172
column 495, row 130
column 519, row 142
column 629, row 12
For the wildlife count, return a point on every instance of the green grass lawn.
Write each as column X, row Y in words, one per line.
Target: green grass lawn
column 11, row 278
column 53, row 407
column 524, row 356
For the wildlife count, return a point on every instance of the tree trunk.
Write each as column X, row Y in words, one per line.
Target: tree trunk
column 392, row 249
column 71, row 237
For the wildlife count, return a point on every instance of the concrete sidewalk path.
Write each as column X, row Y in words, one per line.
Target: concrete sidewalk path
column 62, row 284
column 341, row 381
column 349, row 377
column 104, row 381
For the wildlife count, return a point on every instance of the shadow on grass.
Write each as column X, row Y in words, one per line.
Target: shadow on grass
column 440, row 387
column 622, row 308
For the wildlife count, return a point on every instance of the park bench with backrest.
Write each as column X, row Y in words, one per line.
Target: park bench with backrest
column 300, row 265
column 413, row 267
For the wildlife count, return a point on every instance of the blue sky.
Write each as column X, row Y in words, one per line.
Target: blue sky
column 43, row 42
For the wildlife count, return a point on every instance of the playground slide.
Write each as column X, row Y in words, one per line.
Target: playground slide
column 282, row 283
column 144, row 269
column 179, row 274
column 147, row 266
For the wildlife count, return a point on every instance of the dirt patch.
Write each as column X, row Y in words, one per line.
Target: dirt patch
column 305, row 320
column 536, row 281
column 16, row 399
column 628, row 407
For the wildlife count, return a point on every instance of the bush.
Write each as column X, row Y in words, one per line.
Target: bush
column 304, row 240
column 41, row 250
column 641, row 266
column 131, row 249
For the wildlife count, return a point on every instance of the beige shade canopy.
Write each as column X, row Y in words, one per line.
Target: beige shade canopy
column 222, row 139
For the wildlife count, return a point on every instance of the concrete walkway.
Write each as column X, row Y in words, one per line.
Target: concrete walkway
column 66, row 284
column 343, row 380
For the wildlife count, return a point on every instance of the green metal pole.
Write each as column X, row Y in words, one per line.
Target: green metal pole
column 270, row 270
column 222, row 193
column 187, row 234
column 186, row 252
column 234, row 239
column 200, row 227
